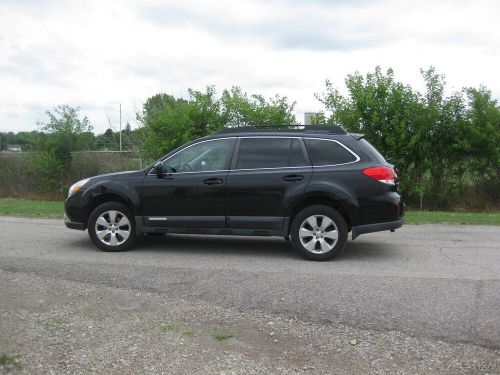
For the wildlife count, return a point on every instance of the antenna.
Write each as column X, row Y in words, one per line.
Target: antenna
column 120, row 127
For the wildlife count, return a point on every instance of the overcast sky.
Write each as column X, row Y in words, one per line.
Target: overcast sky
column 96, row 54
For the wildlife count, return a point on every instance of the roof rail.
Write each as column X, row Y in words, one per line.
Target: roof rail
column 291, row 128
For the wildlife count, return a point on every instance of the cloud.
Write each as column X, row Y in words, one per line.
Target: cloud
column 309, row 25
column 100, row 54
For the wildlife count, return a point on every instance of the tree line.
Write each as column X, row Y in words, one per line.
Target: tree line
column 446, row 146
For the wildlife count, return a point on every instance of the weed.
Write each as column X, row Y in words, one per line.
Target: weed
column 189, row 334
column 53, row 324
column 167, row 327
column 221, row 336
column 9, row 362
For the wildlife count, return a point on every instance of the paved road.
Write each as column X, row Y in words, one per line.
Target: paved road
column 438, row 281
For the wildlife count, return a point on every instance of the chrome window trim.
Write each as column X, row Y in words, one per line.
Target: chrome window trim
column 178, row 173
column 264, row 168
column 185, row 148
column 258, row 169
column 341, row 144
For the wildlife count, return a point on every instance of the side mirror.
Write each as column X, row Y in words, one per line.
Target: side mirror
column 158, row 168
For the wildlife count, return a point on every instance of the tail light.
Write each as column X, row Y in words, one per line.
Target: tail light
column 387, row 175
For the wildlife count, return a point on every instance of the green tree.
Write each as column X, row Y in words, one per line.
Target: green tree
column 437, row 142
column 66, row 132
column 241, row 109
column 107, row 140
column 169, row 122
column 387, row 112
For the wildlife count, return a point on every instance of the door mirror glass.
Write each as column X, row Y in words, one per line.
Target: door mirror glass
column 158, row 169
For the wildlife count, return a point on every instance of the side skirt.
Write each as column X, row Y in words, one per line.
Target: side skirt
column 142, row 229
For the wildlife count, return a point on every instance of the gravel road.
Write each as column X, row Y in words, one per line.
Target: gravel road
column 424, row 299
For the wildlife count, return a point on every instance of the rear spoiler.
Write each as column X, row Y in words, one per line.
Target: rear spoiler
column 357, row 136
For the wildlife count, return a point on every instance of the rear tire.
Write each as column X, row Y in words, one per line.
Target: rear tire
column 318, row 232
column 111, row 227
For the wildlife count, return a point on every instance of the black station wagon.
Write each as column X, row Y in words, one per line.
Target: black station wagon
column 311, row 185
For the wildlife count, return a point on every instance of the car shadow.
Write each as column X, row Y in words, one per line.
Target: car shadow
column 251, row 246
column 270, row 247
column 366, row 250
column 217, row 245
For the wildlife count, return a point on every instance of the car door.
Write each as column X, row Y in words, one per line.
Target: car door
column 266, row 174
column 191, row 193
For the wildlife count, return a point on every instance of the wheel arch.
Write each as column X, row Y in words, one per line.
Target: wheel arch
column 322, row 198
column 104, row 198
column 104, row 194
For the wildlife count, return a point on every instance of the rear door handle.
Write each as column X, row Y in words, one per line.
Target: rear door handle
column 213, row 181
column 293, row 177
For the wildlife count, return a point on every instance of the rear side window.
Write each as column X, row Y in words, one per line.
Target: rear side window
column 324, row 152
column 269, row 153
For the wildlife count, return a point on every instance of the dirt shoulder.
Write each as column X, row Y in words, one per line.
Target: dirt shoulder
column 51, row 325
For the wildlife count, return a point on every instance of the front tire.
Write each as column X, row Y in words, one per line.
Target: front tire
column 318, row 232
column 111, row 227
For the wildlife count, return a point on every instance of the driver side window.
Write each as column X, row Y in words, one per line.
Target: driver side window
column 213, row 155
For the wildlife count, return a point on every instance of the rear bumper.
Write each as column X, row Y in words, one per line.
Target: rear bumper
column 377, row 227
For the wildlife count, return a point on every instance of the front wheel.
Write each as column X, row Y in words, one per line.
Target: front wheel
column 318, row 232
column 111, row 227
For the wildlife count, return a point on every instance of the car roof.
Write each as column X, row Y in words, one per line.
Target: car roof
column 294, row 130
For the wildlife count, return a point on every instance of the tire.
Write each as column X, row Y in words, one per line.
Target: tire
column 111, row 227
column 318, row 232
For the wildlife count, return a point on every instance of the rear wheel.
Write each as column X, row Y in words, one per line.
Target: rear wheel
column 318, row 232
column 111, row 227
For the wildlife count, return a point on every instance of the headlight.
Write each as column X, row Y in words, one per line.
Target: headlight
column 76, row 186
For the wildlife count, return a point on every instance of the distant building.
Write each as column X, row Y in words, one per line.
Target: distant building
column 309, row 117
column 13, row 148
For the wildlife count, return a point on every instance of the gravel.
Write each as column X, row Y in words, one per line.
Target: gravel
column 56, row 326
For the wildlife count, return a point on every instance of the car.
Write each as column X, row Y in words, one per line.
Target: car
column 311, row 185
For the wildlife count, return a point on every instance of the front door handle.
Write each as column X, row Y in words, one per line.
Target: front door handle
column 213, row 181
column 293, row 177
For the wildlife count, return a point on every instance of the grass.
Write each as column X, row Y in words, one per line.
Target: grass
column 9, row 361
column 166, row 327
column 431, row 217
column 221, row 336
column 55, row 209
column 189, row 334
column 31, row 208
column 53, row 324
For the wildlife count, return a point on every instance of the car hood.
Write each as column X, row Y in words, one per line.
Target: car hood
column 119, row 175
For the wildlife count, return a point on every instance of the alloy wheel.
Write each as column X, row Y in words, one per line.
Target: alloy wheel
column 112, row 228
column 318, row 234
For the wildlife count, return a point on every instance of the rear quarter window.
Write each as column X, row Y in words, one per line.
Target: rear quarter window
column 326, row 152
column 372, row 151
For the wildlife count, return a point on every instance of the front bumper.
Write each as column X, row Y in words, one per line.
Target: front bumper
column 72, row 224
column 377, row 227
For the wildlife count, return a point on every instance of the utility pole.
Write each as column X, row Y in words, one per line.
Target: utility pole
column 120, row 127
